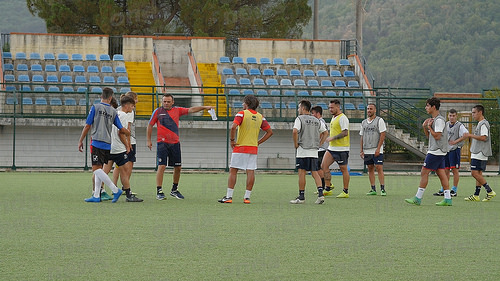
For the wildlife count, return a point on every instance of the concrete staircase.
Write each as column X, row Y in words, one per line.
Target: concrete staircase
column 405, row 140
column 210, row 78
column 140, row 73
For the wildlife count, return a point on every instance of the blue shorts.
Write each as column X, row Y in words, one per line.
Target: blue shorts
column 120, row 158
column 478, row 165
column 170, row 151
column 452, row 159
column 131, row 154
column 341, row 157
column 434, row 162
column 370, row 159
column 308, row 164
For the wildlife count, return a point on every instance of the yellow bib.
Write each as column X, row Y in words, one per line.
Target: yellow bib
column 335, row 130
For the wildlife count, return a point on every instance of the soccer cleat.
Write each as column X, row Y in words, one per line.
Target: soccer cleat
column 176, row 194
column 453, row 193
column 226, row 200
column 383, row 193
column 439, row 193
column 246, row 200
column 320, row 200
column 133, row 198
column 297, row 201
column 489, row 196
column 105, row 196
column 472, row 198
column 116, row 196
column 160, row 196
column 327, row 192
column 343, row 195
column 131, row 192
column 444, row 202
column 93, row 200
column 414, row 201
column 372, row 192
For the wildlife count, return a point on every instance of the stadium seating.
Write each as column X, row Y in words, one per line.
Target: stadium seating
column 268, row 72
column 26, row 88
column 107, row 69
column 340, row 83
column 357, row 94
column 312, row 83
column 322, row 73
column 261, row 93
column 122, row 80
column 266, row 105
column 8, row 67
column 50, row 68
column 90, row 57
column 254, row 71
column 49, row 56
column 52, row 79
column 241, row 71
column 92, row 69
column 234, row 92
column 66, row 79
column 309, row 73
column 323, row 105
column 295, row 72
column 37, row 79
column 82, row 102
column 291, row 61
column 316, row 94
column 80, row 79
column 94, row 79
column 331, row 62
column 326, row 83
column 124, row 90
column 68, row 89
column 96, row 90
column 349, row 73
column 302, row 93
column 330, row 94
column 265, row 61
column 70, row 101
column 275, row 93
column 104, row 57
column 118, row 57
column 258, row 82
column 7, row 55
column 272, row 82
column 289, row 93
column 224, row 60
column 353, row 84
column 23, row 78
column 227, row 71
column 281, row 72
column 55, row 101
column 35, row 56
column 11, row 101
column 245, row 82
column 108, row 80
column 39, row 89
column 231, row 81
column 335, row 73
column 318, row 62
column 27, row 101
column 9, row 78
column 120, row 69
column 62, row 56
column 237, row 60
column 64, row 68
column 81, row 89
column 344, row 94
column 251, row 60
column 286, row 82
column 278, row 61
column 53, row 89
column 76, row 57
column 40, row 101
column 247, row 92
column 78, row 68
column 361, row 106
column 304, row 61
column 20, row 56
column 299, row 82
column 22, row 67
column 344, row 62
column 349, row 106
column 237, row 104
column 10, row 88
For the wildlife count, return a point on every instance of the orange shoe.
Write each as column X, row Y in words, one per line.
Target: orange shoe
column 246, row 200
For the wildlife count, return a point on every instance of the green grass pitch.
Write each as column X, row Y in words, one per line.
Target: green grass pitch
column 47, row 231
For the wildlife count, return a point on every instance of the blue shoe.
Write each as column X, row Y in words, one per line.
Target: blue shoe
column 93, row 200
column 176, row 194
column 116, row 196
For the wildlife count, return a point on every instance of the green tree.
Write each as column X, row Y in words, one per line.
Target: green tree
column 231, row 18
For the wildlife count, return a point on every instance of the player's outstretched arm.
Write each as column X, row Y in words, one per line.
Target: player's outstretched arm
column 199, row 108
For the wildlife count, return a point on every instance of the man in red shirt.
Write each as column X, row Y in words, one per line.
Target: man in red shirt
column 166, row 119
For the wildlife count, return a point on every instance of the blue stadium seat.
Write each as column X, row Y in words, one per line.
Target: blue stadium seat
column 10, row 88
column 254, row 71
column 118, row 57
column 104, row 57
column 26, row 88
column 266, row 105
column 107, row 69
column 318, row 62
column 340, row 83
column 349, row 73
column 92, row 69
column 39, row 89
column 361, row 106
column 295, row 72
column 304, row 61
column 40, row 101
column 344, row 94
column 35, row 56
column 70, row 101
column 62, row 56
column 289, row 93
column 96, row 90
column 286, row 82
column 245, row 82
column 224, row 60
column 335, row 73
column 326, row 83
column 81, row 89
column 82, row 102
column 303, row 93
column 278, row 61
column 94, row 79
column 108, row 80
column 292, row 105
column 275, row 93
column 279, row 105
column 23, row 78
column 20, row 56
column 124, row 90
column 281, row 72
column 308, row 73
column 291, row 61
column 27, row 101
column 316, row 94
column 231, row 81
column 268, row 72
column 22, row 67
column 353, row 84
column 7, row 55
column 80, row 79
column 67, row 89
column 90, row 57
column 357, row 94
column 265, row 60
column 344, row 62
column 272, row 82
column 53, row 89
column 120, row 69
column 251, row 60
column 96, row 101
column 8, row 67
column 261, row 93
column 247, row 92
column 323, row 105
column 50, row 68
column 66, row 79
column 234, row 92
column 237, row 60
column 122, row 80
column 330, row 94
column 55, row 101
column 64, row 68
column 237, row 104
column 322, row 73
column 299, row 82
column 11, row 101
column 52, row 79
column 77, row 57
column 312, row 83
column 258, row 82
column 241, row 71
column 349, row 106
column 37, row 79
column 227, row 71
column 9, row 78
column 36, row 67
column 49, row 56
column 331, row 62
column 78, row 68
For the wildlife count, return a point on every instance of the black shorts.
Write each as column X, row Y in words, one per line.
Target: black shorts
column 99, row 156
column 478, row 165
column 370, row 159
column 120, row 158
column 170, row 151
column 308, row 164
column 341, row 157
column 321, row 153
column 131, row 154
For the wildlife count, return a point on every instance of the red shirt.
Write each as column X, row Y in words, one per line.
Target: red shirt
column 167, row 122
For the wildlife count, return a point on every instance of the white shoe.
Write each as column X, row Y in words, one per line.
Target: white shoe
column 320, row 200
column 297, row 201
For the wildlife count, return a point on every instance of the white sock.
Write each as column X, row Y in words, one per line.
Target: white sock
column 420, row 193
column 97, row 190
column 229, row 193
column 99, row 173
column 247, row 193
column 447, row 194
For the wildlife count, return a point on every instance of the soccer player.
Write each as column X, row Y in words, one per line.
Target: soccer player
column 308, row 135
column 456, row 131
column 101, row 118
column 244, row 157
column 317, row 111
column 338, row 149
column 372, row 147
column 480, row 149
column 120, row 150
column 434, row 129
column 168, row 151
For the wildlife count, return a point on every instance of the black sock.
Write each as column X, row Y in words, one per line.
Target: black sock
column 373, row 188
column 320, row 191
column 382, row 187
column 158, row 189
column 301, row 195
column 487, row 187
column 323, row 182
column 346, row 191
column 174, row 186
column 128, row 192
column 478, row 190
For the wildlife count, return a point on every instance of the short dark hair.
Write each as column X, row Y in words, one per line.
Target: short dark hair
column 305, row 104
column 168, row 95
column 251, row 101
column 453, row 111
column 434, row 102
column 107, row 92
column 371, row 103
column 132, row 94
column 479, row 107
column 317, row 109
column 335, row 101
column 125, row 99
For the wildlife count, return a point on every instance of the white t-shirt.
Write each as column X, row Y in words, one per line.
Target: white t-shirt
column 132, row 134
column 344, row 125
column 116, row 144
column 480, row 155
column 438, row 128
column 304, row 153
column 381, row 128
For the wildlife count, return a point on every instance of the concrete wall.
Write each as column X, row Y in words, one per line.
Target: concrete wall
column 59, row 43
column 282, row 48
column 208, row 50
column 172, row 53
column 137, row 48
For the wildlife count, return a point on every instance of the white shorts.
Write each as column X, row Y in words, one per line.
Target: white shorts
column 244, row 161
